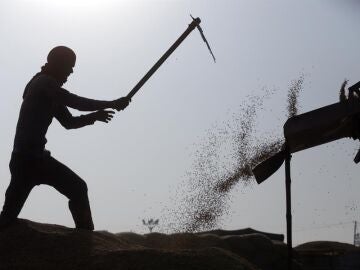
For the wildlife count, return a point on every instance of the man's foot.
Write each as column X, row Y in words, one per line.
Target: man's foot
column 81, row 214
column 6, row 222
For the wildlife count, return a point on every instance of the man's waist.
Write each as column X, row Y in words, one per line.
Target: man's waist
column 29, row 149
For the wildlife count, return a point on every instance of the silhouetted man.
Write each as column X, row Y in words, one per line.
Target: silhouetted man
column 31, row 165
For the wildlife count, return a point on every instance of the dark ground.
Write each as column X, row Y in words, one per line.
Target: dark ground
column 31, row 245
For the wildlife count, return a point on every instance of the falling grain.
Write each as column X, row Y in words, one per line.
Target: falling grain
column 293, row 95
column 224, row 160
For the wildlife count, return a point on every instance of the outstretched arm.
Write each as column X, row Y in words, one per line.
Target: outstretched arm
column 69, row 121
column 64, row 97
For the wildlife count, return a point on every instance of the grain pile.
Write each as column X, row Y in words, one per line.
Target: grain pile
column 223, row 160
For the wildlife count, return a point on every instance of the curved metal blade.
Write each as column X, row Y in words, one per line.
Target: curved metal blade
column 204, row 39
column 266, row 168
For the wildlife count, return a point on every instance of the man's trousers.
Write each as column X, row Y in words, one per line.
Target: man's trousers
column 29, row 171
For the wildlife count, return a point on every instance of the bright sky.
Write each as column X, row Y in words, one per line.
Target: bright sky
column 133, row 164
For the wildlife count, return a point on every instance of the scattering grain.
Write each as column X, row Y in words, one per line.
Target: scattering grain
column 224, row 160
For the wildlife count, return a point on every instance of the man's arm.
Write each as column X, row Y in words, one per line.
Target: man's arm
column 64, row 97
column 69, row 121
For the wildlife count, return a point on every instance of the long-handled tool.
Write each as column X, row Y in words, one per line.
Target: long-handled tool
column 195, row 23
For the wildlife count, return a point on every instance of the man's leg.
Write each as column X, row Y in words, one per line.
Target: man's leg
column 15, row 197
column 73, row 187
column 21, row 184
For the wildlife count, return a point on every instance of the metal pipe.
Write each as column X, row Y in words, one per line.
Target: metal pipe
column 173, row 47
column 355, row 229
column 288, row 207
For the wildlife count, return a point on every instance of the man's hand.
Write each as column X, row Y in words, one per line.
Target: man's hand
column 120, row 104
column 104, row 116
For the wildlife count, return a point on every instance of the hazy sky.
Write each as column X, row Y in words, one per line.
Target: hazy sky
column 133, row 164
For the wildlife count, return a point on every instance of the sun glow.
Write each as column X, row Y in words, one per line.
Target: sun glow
column 70, row 10
column 77, row 4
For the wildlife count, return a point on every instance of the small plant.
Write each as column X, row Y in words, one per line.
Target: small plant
column 151, row 224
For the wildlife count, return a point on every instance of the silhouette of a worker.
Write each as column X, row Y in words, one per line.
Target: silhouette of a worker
column 30, row 164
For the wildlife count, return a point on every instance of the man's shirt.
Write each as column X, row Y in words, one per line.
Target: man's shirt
column 43, row 100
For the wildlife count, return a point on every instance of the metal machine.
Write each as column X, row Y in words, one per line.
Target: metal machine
column 320, row 126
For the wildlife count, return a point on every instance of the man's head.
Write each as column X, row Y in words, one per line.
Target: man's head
column 60, row 63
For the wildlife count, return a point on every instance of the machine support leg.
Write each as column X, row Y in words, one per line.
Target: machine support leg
column 288, row 208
